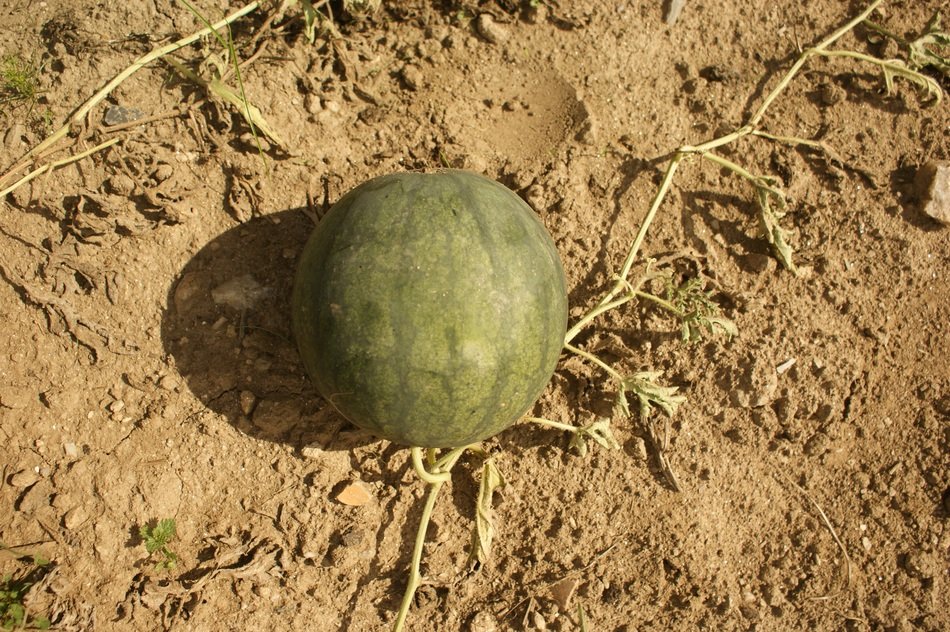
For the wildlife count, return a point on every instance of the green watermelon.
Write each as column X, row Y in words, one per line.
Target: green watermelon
column 430, row 309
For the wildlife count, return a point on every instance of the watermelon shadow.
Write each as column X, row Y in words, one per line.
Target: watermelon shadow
column 227, row 328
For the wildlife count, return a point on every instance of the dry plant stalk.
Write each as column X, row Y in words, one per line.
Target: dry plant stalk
column 768, row 196
column 77, row 118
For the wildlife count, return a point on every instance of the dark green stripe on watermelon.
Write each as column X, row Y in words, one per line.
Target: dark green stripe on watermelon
column 430, row 309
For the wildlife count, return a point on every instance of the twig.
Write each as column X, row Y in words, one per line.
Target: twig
column 574, row 573
column 661, row 444
column 834, row 535
column 80, row 114
column 58, row 163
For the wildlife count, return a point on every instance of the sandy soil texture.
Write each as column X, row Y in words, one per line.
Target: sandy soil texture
column 148, row 369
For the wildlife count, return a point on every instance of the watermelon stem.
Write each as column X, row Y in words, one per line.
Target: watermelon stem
column 592, row 358
column 430, row 478
column 622, row 292
column 435, row 478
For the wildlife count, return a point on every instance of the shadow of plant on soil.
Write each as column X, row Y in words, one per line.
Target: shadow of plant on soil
column 227, row 325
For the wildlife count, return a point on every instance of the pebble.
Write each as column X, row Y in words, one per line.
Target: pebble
column 562, row 592
column 14, row 137
column 830, row 93
column 483, row 622
column 933, row 190
column 539, row 622
column 248, row 402
column 163, row 172
column 757, row 386
column 536, row 13
column 758, row 263
column 75, row 518
column 71, row 450
column 640, row 448
column 354, row 495
column 118, row 115
column 24, row 478
column 493, row 32
column 312, row 451
column 240, row 292
column 411, row 76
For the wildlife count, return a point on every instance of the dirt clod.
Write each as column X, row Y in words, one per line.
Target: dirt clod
column 491, row 30
column 933, row 190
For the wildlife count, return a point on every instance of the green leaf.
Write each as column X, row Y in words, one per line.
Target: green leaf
column 310, row 20
column 484, row 531
column 698, row 312
column 921, row 56
column 650, row 394
column 772, row 208
column 599, row 432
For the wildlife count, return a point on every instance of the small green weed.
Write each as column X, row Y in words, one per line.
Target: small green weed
column 18, row 80
column 13, row 614
column 156, row 539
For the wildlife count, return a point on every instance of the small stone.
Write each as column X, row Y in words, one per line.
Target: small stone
column 749, row 612
column 354, row 495
column 248, row 402
column 866, row 543
column 493, row 32
column 311, row 103
column 116, row 406
column 71, row 450
column 933, row 190
column 562, row 591
column 36, row 498
column 411, row 76
column 24, row 478
column 167, row 383
column 352, row 538
column 483, row 622
column 75, row 518
column 921, row 565
column 239, row 293
column 640, row 448
column 536, row 13
column 535, row 196
column 757, row 386
column 14, row 137
column 312, row 451
column 119, row 115
column 539, row 622
column 717, row 74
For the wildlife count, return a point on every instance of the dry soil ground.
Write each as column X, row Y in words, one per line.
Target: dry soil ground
column 147, row 369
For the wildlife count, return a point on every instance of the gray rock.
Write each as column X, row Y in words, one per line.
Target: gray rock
column 933, row 190
column 119, row 115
